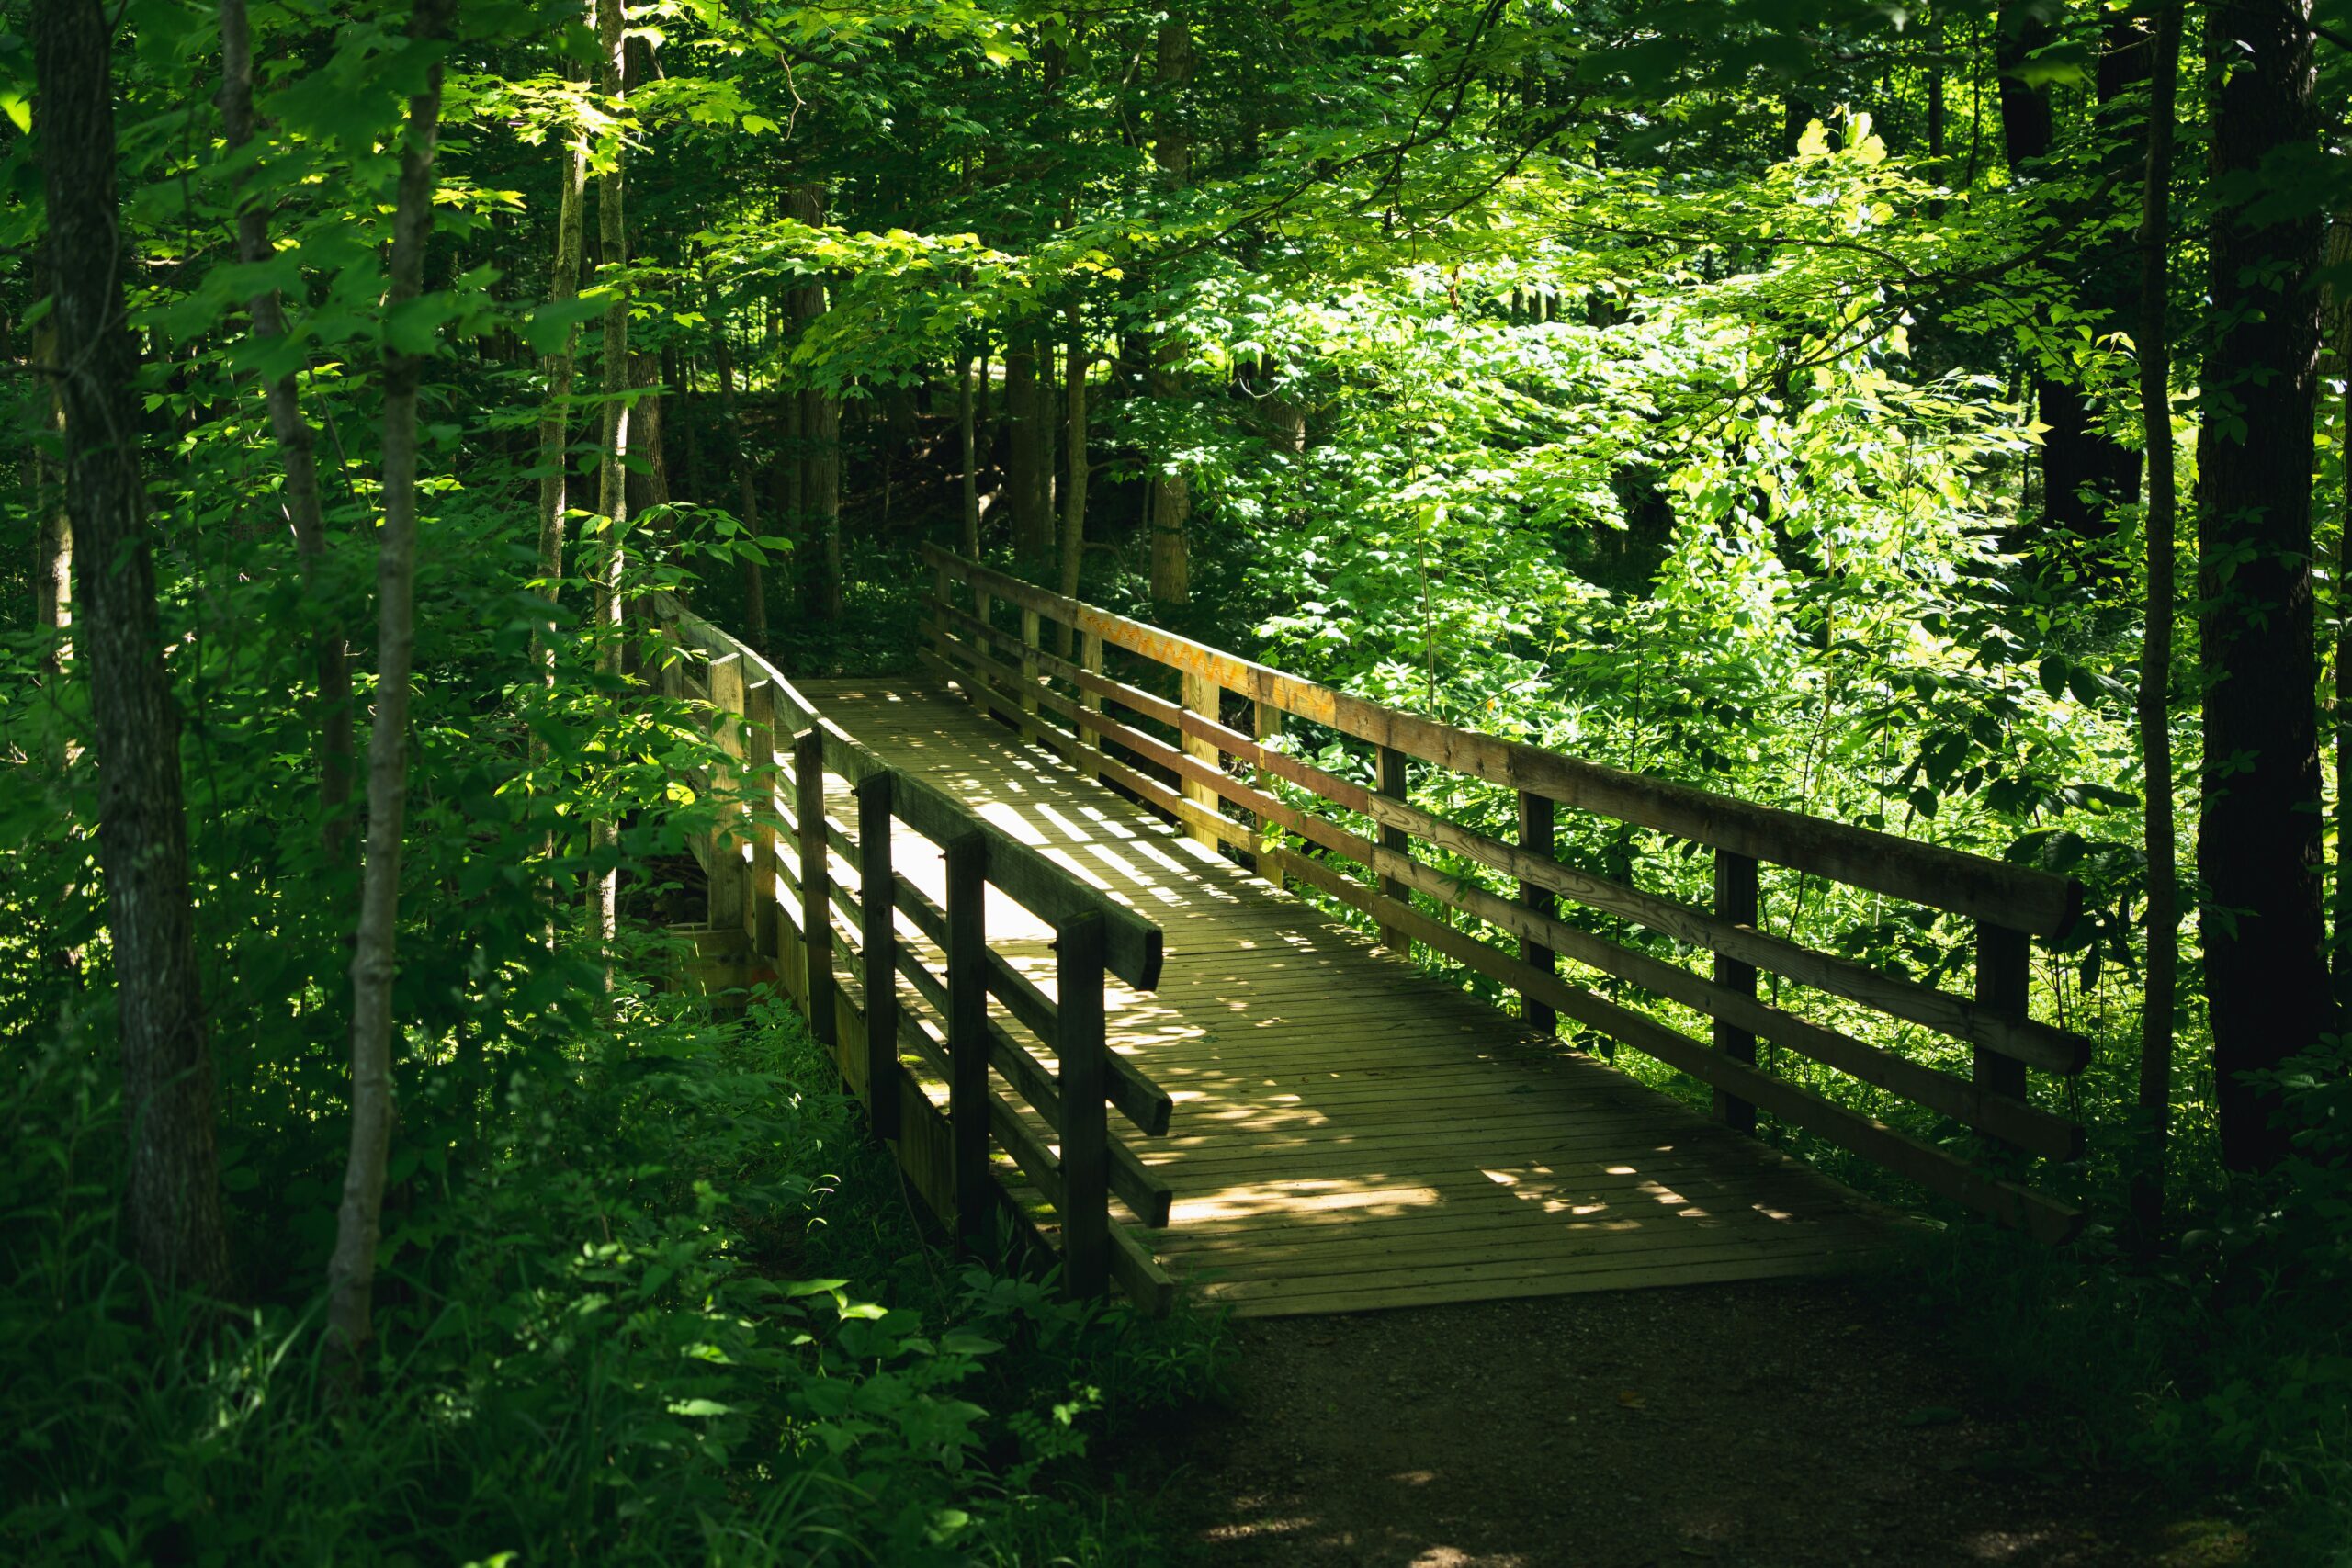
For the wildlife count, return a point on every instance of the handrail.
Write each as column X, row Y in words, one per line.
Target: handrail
column 2021, row 898
column 1092, row 719
column 782, row 889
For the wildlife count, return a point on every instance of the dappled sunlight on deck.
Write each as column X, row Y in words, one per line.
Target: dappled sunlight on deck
column 1349, row 1131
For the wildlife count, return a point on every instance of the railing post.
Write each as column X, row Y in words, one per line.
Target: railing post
column 2004, row 986
column 759, row 790
column 1079, row 1049
column 1202, row 695
column 1029, row 634
column 1266, row 724
column 1535, row 836
column 1393, row 783
column 816, row 883
column 1736, row 900
column 878, row 936
column 968, row 1034
column 725, row 883
column 1090, row 658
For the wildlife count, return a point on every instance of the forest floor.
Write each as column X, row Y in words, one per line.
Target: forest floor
column 1763, row 1425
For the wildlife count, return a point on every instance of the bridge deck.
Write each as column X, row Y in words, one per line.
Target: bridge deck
column 1349, row 1132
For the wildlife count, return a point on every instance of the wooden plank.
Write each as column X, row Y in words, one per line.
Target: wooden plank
column 1079, row 1052
column 1736, row 901
column 1536, row 823
column 878, row 936
column 2004, row 985
column 758, row 777
column 817, row 989
column 1266, row 720
column 1436, row 1288
column 2012, row 1033
column 967, row 1017
column 1394, row 785
column 1141, row 1101
column 1929, row 874
column 1202, row 695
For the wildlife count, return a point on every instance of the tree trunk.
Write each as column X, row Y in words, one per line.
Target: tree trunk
column 612, row 480
column 2339, row 257
column 53, row 546
column 2155, row 650
column 560, row 368
column 172, row 1186
column 1172, row 493
column 2085, row 473
column 965, row 426
column 2258, row 847
column 820, row 446
column 1074, row 485
column 1028, row 479
column 747, row 500
column 351, row 1271
column 330, row 668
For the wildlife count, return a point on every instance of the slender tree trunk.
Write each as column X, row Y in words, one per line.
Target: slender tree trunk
column 1074, row 484
column 612, row 480
column 172, row 1187
column 297, row 450
column 820, row 441
column 747, row 500
column 1028, row 481
column 560, row 368
column 1172, row 495
column 2084, row 471
column 2155, row 650
column 967, row 428
column 2258, row 846
column 2339, row 257
column 351, row 1271
column 53, row 546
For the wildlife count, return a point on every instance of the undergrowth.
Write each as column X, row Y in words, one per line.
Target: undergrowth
column 676, row 1312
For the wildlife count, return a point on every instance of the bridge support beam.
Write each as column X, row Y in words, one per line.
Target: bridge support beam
column 1203, row 696
column 1394, row 784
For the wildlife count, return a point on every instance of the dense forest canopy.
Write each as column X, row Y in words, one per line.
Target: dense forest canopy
column 1933, row 419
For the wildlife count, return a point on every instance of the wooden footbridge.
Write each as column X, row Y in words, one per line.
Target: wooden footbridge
column 1062, row 964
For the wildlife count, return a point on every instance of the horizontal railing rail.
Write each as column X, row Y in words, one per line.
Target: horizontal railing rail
column 1239, row 789
column 965, row 1064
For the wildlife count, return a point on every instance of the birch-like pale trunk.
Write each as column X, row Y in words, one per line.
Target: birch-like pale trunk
column 297, row 450
column 171, row 1209
column 555, row 417
column 2154, row 707
column 611, row 475
column 351, row 1271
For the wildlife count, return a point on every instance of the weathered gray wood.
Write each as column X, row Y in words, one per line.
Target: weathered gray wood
column 1089, row 654
column 878, row 935
column 727, row 880
column 1736, row 901
column 816, row 882
column 1929, row 874
column 967, row 1032
column 1079, row 1050
column 1536, row 820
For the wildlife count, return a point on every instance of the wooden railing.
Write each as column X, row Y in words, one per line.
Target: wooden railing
column 1191, row 771
column 819, row 903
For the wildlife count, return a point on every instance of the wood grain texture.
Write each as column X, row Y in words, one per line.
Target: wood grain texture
column 1347, row 1130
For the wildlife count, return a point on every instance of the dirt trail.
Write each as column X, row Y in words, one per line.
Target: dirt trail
column 1760, row 1425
